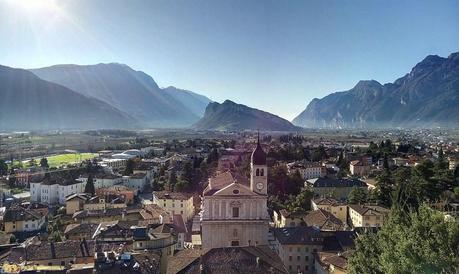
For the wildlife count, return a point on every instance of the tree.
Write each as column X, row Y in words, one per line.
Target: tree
column 172, row 180
column 44, row 163
column 187, row 172
column 300, row 202
column 357, row 196
column 3, row 168
column 89, row 187
column 409, row 242
column 384, row 188
column 181, row 185
column 12, row 239
column 32, row 162
column 442, row 163
column 129, row 167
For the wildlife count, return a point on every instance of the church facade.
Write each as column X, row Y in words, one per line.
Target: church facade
column 235, row 209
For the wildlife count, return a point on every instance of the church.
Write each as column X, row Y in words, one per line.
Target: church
column 235, row 209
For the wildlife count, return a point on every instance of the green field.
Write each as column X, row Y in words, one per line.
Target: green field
column 69, row 158
column 64, row 159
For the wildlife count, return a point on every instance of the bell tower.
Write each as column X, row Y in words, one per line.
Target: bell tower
column 259, row 170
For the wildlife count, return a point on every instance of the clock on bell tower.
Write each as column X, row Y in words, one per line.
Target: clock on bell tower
column 259, row 170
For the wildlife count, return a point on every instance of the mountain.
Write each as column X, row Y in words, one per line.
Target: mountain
column 232, row 116
column 196, row 103
column 428, row 96
column 30, row 103
column 130, row 91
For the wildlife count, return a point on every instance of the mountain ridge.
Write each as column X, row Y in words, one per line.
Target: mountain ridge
column 232, row 116
column 133, row 92
column 30, row 103
column 424, row 97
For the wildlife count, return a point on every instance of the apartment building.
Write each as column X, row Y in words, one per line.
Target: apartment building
column 367, row 215
column 335, row 207
column 175, row 203
column 296, row 247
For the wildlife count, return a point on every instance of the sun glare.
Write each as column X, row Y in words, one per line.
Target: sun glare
column 35, row 6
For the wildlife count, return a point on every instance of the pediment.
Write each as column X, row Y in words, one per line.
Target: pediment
column 234, row 189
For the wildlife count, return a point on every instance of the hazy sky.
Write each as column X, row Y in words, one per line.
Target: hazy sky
column 272, row 55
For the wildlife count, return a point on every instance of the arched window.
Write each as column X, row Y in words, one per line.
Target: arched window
column 258, row 172
column 262, row 172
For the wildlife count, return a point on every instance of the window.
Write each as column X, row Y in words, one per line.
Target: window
column 298, row 258
column 234, row 232
column 236, row 191
column 290, row 258
column 306, row 258
column 258, row 172
column 234, row 243
column 235, row 212
column 26, row 226
column 262, row 172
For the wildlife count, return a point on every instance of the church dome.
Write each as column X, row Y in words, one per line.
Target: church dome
column 259, row 156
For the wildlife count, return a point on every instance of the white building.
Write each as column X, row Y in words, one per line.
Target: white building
column 307, row 170
column 234, row 213
column 136, row 181
column 103, row 180
column 55, row 192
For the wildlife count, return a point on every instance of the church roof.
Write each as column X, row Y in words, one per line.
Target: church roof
column 258, row 155
column 222, row 180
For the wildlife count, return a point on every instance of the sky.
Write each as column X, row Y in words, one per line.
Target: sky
column 272, row 55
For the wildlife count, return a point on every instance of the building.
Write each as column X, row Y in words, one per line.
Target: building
column 180, row 230
column 106, row 215
column 234, row 213
column 336, row 188
column 175, row 203
column 323, row 220
column 75, row 202
column 332, row 263
column 337, row 249
column 335, row 207
column 246, row 259
column 103, row 180
column 125, row 191
column 284, row 218
column 55, row 191
column 296, row 247
column 359, row 168
column 79, row 231
column 137, row 181
column 105, row 202
column 307, row 170
column 367, row 215
column 21, row 219
column 453, row 162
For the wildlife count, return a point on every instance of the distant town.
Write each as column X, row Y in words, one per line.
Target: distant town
column 318, row 201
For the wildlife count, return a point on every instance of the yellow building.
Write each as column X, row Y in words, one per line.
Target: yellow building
column 102, row 203
column 175, row 203
column 338, row 209
column 20, row 219
column 75, row 202
column 367, row 215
